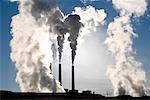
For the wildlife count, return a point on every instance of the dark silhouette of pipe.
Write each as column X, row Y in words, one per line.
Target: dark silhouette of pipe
column 60, row 74
column 73, row 81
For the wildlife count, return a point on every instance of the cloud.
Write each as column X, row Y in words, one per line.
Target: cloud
column 87, row 1
column 127, row 75
column 32, row 54
column 135, row 7
column 13, row 0
column 31, row 46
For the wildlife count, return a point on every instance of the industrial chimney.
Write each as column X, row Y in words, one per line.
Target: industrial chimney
column 50, row 67
column 60, row 74
column 73, row 81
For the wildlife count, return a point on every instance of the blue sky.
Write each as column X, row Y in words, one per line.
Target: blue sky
column 7, row 68
column 8, row 9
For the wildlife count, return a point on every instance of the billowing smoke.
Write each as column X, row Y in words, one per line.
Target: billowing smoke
column 127, row 76
column 55, row 21
column 83, row 21
column 91, row 18
column 61, row 29
column 34, row 31
column 73, row 23
column 54, row 17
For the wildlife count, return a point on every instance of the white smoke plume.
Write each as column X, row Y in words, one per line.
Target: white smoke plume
column 31, row 45
column 91, row 18
column 36, row 27
column 127, row 76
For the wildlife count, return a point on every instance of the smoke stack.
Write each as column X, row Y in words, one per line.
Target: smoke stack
column 73, row 56
column 50, row 67
column 60, row 74
column 73, row 81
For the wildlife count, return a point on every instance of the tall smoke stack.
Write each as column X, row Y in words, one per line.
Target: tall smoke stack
column 50, row 67
column 73, row 81
column 60, row 74
column 60, row 40
column 73, row 23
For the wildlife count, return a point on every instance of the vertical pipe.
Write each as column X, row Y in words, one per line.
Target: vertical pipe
column 50, row 67
column 60, row 74
column 73, row 81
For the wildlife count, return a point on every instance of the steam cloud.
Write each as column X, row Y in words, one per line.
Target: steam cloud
column 35, row 31
column 91, row 18
column 82, row 21
column 40, row 23
column 54, row 20
column 33, row 47
column 33, row 37
column 57, row 24
column 74, row 24
column 127, row 76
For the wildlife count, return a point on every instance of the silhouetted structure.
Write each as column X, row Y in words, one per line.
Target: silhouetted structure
column 7, row 95
column 60, row 74
column 73, row 81
column 50, row 67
